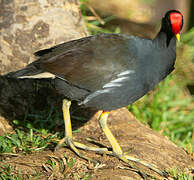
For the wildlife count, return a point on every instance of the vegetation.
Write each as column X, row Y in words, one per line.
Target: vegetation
column 168, row 109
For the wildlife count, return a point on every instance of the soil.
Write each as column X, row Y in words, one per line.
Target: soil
column 135, row 139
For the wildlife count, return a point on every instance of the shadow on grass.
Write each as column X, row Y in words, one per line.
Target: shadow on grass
column 28, row 103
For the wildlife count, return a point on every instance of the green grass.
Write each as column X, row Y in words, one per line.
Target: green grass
column 166, row 109
column 51, row 166
column 179, row 175
column 24, row 142
column 95, row 25
column 6, row 173
column 36, row 132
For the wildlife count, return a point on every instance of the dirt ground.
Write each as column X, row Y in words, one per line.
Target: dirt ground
column 135, row 139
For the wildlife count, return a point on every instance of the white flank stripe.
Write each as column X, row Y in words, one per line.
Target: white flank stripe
column 126, row 73
column 109, row 85
column 118, row 80
column 94, row 95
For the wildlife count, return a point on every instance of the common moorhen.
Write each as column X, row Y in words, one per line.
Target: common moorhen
column 106, row 72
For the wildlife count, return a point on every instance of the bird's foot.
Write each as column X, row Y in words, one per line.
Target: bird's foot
column 129, row 159
column 124, row 157
column 69, row 141
column 74, row 145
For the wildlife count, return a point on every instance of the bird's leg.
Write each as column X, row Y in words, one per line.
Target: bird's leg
column 68, row 135
column 117, row 151
column 103, row 123
column 66, row 115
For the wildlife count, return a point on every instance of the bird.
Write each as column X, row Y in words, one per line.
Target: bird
column 106, row 72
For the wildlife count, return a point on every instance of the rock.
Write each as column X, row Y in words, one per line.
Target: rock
column 28, row 26
column 25, row 27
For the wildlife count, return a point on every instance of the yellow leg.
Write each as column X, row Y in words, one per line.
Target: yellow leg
column 68, row 136
column 67, row 119
column 103, row 122
column 117, row 151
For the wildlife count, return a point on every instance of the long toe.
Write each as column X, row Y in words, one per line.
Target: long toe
column 72, row 145
column 150, row 166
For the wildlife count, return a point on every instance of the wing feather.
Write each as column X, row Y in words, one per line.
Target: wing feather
column 90, row 62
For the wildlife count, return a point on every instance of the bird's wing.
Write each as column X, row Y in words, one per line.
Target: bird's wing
column 90, row 62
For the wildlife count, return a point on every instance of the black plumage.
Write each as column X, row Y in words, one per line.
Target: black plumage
column 107, row 71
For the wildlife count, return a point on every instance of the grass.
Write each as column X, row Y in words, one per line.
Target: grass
column 94, row 23
column 52, row 168
column 35, row 136
column 24, row 142
column 179, row 175
column 36, row 132
column 6, row 173
column 166, row 109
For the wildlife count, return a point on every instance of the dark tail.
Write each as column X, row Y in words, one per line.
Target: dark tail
column 28, row 71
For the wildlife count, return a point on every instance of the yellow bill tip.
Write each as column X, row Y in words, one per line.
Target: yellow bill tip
column 178, row 37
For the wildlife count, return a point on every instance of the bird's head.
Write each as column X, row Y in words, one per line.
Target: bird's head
column 172, row 23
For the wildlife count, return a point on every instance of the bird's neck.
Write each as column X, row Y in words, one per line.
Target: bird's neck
column 164, row 40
